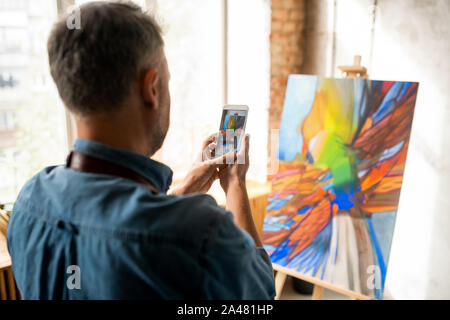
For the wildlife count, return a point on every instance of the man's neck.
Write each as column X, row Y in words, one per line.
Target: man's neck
column 114, row 133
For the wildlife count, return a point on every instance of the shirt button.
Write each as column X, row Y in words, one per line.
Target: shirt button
column 67, row 226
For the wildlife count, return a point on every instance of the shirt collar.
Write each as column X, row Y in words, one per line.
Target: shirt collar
column 159, row 174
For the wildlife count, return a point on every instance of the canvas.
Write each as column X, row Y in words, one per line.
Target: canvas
column 342, row 151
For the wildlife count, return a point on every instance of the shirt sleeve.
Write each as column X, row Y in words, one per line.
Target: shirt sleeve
column 234, row 267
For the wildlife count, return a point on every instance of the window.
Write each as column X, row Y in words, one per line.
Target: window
column 193, row 33
column 32, row 130
column 213, row 61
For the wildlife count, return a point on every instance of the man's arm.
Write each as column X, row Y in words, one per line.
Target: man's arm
column 239, row 204
column 232, row 179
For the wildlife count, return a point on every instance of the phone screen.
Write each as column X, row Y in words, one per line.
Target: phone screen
column 232, row 128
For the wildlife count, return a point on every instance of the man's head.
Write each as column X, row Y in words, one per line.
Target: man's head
column 113, row 69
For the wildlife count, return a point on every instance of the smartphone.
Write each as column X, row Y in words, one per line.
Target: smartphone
column 232, row 128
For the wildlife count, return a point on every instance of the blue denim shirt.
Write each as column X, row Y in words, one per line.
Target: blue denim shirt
column 77, row 235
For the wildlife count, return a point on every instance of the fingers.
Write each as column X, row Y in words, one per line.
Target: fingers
column 223, row 160
column 211, row 138
column 242, row 157
column 209, row 151
column 209, row 147
column 208, row 154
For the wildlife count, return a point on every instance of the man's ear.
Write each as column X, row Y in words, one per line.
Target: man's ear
column 149, row 87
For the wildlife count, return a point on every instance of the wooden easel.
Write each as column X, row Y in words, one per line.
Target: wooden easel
column 353, row 71
column 319, row 285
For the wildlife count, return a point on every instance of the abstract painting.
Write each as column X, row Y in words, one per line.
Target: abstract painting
column 342, row 151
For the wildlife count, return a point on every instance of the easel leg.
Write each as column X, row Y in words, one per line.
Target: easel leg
column 317, row 292
column 280, row 279
column 3, row 295
column 11, row 284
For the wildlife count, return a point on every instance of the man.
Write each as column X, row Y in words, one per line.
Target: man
column 103, row 227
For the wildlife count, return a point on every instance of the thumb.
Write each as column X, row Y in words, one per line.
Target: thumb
column 243, row 152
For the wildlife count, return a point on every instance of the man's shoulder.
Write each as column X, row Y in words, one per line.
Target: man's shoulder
column 117, row 207
column 35, row 184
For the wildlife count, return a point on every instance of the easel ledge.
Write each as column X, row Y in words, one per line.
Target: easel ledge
column 319, row 285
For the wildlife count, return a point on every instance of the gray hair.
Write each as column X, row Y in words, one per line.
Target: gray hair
column 94, row 67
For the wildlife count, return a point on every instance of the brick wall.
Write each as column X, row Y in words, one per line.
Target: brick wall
column 287, row 43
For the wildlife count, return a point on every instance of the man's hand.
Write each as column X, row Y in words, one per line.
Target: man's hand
column 235, row 172
column 204, row 171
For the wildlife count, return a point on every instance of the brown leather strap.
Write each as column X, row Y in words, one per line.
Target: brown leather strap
column 82, row 162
